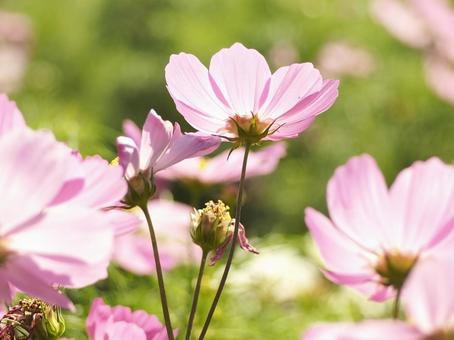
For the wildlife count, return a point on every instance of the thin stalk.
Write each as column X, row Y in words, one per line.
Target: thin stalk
column 228, row 264
column 396, row 306
column 195, row 298
column 162, row 291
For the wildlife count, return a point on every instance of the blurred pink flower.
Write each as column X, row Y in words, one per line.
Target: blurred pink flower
column 239, row 91
column 283, row 53
column 429, row 306
column 10, row 116
column 440, row 77
column 161, row 145
column 375, row 235
column 340, row 58
column 45, row 241
column 120, row 323
column 171, row 222
column 223, row 169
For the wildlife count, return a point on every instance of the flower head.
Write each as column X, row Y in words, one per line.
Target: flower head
column 161, row 145
column 119, row 322
column 377, row 236
column 239, row 99
column 212, row 230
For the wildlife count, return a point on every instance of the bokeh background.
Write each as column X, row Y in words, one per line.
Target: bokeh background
column 80, row 68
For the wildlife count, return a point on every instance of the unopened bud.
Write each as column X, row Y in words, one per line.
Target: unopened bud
column 140, row 189
column 211, row 226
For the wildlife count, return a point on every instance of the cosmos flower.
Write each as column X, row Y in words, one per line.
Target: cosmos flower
column 238, row 98
column 428, row 303
column 119, row 322
column 10, row 116
column 45, row 240
column 377, row 235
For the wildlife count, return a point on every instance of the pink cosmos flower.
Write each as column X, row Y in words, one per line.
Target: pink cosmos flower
column 226, row 169
column 375, row 235
column 171, row 222
column 161, row 145
column 428, row 302
column 239, row 93
column 10, row 116
column 45, row 240
column 120, row 323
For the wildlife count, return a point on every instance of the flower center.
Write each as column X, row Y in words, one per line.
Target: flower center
column 394, row 267
column 249, row 129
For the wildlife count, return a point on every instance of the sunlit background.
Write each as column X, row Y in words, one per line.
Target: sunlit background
column 80, row 68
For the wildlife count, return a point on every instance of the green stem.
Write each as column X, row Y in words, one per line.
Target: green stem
column 195, row 298
column 162, row 291
column 228, row 264
column 396, row 306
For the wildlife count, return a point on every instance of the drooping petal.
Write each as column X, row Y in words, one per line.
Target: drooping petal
column 358, row 203
column 10, row 116
column 288, row 86
column 241, row 75
column 244, row 242
column 32, row 171
column 427, row 295
column 189, row 85
column 422, row 197
column 184, row 146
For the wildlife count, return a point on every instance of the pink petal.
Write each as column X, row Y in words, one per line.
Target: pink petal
column 123, row 330
column 289, row 85
column 156, row 136
column 422, row 196
column 427, row 295
column 31, row 280
column 359, row 204
column 132, row 131
column 123, row 221
column 10, row 116
column 128, row 156
column 241, row 75
column 244, row 242
column 32, row 172
column 189, row 85
column 184, row 146
column 440, row 77
column 6, row 293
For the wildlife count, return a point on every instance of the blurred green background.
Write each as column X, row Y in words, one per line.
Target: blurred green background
column 94, row 63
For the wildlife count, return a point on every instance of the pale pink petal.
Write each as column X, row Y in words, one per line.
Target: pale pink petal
column 128, row 156
column 132, row 131
column 402, row 21
column 10, row 116
column 31, row 280
column 288, row 86
column 189, row 84
column 97, row 319
column 440, row 77
column 241, row 75
column 339, row 253
column 184, row 146
column 123, row 221
column 6, row 293
column 156, row 136
column 124, row 330
column 33, row 169
column 427, row 295
column 438, row 15
column 359, row 204
column 149, row 323
column 244, row 242
column 422, row 197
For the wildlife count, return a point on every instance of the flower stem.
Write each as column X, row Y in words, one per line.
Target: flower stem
column 228, row 264
column 162, row 291
column 195, row 298
column 396, row 306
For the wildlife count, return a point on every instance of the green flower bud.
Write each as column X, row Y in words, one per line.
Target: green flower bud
column 211, row 226
column 140, row 189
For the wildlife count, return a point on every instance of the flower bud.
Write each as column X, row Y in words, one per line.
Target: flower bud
column 140, row 189
column 211, row 226
column 32, row 319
